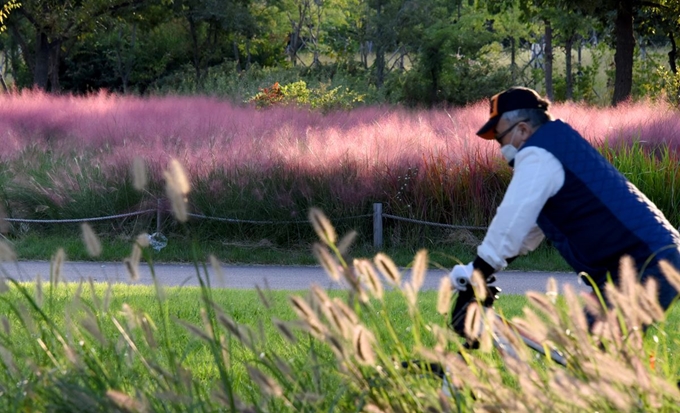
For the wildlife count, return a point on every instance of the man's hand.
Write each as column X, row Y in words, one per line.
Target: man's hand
column 461, row 276
column 461, row 279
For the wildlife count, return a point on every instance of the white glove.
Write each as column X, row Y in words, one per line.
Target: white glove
column 461, row 276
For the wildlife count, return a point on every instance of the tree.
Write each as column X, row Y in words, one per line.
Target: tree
column 51, row 28
column 625, row 12
column 510, row 24
column 209, row 23
column 5, row 10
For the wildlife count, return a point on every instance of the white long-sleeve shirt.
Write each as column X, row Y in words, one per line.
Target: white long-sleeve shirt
column 537, row 176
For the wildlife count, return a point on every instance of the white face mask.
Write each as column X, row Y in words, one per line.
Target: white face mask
column 509, row 151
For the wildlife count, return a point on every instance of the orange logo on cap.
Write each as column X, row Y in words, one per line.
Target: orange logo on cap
column 494, row 105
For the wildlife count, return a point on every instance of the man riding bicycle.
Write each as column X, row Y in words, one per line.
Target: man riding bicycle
column 564, row 190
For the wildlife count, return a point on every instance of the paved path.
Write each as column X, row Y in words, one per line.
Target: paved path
column 248, row 276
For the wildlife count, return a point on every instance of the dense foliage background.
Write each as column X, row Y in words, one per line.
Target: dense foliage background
column 416, row 52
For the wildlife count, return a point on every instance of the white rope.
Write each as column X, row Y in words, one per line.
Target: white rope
column 56, row 221
column 248, row 221
column 434, row 224
column 234, row 220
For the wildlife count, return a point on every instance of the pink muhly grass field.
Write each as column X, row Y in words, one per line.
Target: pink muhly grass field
column 416, row 159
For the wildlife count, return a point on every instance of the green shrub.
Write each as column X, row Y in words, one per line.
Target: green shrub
column 297, row 93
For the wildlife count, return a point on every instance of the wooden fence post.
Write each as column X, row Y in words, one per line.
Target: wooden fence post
column 158, row 216
column 377, row 226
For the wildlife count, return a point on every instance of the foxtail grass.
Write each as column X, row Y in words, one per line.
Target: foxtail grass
column 345, row 351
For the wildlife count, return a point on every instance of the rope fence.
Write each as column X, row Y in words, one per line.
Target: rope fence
column 378, row 219
column 67, row 221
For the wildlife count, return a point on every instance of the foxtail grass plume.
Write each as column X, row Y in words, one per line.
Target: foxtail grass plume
column 671, row 273
column 7, row 253
column 125, row 402
column 263, row 298
column 339, row 316
column 56, row 266
column 346, row 311
column 268, row 385
column 327, row 261
column 363, row 344
column 196, row 331
column 532, row 324
column 91, row 240
column 551, row 289
column 649, row 301
column 283, row 328
column 132, row 262
column 479, row 285
column 320, row 296
column 486, row 339
column 176, row 188
column 369, row 277
column 139, row 178
column 91, row 326
column 473, row 321
column 38, row 290
column 148, row 328
column 219, row 274
column 346, row 242
column 142, row 240
column 389, row 270
column 444, row 295
column 592, row 305
column 542, row 303
column 419, row 270
column 207, row 325
column 323, row 227
column 577, row 317
column 628, row 278
column 308, row 316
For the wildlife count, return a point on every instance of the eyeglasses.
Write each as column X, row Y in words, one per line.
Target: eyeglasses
column 501, row 135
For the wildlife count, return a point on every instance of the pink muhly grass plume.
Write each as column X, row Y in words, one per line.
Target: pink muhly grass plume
column 358, row 154
column 651, row 122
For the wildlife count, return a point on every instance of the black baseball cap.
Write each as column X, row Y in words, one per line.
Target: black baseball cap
column 509, row 100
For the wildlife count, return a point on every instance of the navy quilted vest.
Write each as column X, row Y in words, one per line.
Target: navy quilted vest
column 598, row 215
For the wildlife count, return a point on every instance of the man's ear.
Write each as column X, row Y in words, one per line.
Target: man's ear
column 526, row 130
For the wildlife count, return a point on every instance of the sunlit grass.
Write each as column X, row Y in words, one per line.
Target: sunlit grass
column 72, row 157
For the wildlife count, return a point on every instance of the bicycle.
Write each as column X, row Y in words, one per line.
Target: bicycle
column 500, row 340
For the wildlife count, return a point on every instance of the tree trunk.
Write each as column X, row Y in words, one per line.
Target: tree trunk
column 42, row 62
column 379, row 64
column 196, row 60
column 24, row 49
column 124, row 63
column 234, row 44
column 379, row 50
column 548, row 61
column 248, row 54
column 673, row 54
column 623, row 57
column 568, row 45
column 513, row 58
column 54, row 64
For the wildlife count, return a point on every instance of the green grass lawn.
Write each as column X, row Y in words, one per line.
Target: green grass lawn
column 124, row 336
column 35, row 246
